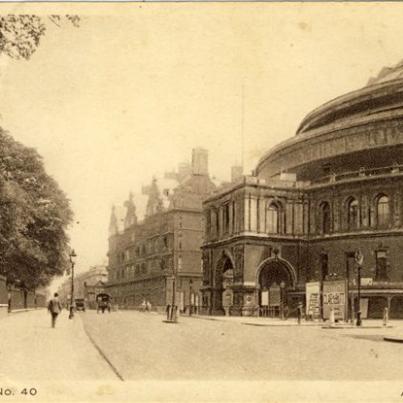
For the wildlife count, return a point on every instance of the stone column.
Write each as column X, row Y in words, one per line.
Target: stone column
column 396, row 208
column 336, row 215
column 364, row 211
column 262, row 215
column 371, row 213
column 312, row 216
column 237, row 220
column 246, row 226
column 221, row 221
column 289, row 219
column 253, row 213
column 306, row 208
column 298, row 218
column 231, row 224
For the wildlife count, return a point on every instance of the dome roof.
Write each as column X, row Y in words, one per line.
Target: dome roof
column 370, row 118
column 381, row 95
column 388, row 74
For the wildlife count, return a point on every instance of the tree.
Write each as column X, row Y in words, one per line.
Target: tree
column 20, row 34
column 34, row 212
column 34, row 215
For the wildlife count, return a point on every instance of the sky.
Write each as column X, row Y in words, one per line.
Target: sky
column 128, row 94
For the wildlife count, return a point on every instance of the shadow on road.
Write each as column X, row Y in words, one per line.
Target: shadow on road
column 370, row 337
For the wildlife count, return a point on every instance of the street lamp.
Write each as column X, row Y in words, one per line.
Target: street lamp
column 359, row 321
column 72, row 257
column 172, row 313
column 282, row 286
column 359, row 259
column 190, row 297
column 171, row 309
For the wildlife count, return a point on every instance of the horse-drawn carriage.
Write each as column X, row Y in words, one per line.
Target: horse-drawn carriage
column 104, row 302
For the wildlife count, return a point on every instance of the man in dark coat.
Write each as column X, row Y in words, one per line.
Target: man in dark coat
column 54, row 307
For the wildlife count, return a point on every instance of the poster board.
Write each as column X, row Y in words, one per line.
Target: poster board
column 335, row 296
column 265, row 298
column 274, row 296
column 364, row 308
column 312, row 295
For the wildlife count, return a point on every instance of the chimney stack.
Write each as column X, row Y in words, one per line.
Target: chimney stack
column 199, row 161
column 236, row 173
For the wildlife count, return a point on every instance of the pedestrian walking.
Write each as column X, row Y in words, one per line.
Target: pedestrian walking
column 286, row 311
column 148, row 304
column 299, row 312
column 54, row 308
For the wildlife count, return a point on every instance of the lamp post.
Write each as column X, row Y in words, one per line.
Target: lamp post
column 72, row 262
column 359, row 320
column 190, row 297
column 171, row 310
column 282, row 286
column 359, row 259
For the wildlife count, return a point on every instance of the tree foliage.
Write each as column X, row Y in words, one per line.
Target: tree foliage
column 20, row 34
column 34, row 215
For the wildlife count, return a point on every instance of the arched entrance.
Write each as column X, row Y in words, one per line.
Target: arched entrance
column 275, row 278
column 223, row 282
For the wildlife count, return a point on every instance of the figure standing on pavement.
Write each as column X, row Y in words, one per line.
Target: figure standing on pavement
column 286, row 311
column 299, row 312
column 54, row 307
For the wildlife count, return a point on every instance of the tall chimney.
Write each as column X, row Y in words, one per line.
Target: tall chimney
column 199, row 161
column 236, row 172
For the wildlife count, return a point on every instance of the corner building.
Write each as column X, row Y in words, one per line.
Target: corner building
column 312, row 201
column 153, row 255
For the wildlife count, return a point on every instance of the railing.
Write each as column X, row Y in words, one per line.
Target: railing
column 361, row 173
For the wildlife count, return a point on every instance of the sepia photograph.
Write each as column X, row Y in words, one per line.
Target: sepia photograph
column 201, row 202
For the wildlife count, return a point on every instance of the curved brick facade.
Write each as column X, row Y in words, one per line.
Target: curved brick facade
column 333, row 188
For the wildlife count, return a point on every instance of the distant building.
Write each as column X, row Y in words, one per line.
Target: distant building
column 86, row 285
column 151, row 256
column 312, row 202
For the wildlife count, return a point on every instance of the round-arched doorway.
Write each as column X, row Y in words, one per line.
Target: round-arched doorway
column 224, row 280
column 274, row 279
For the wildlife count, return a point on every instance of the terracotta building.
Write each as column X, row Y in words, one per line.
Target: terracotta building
column 311, row 203
column 152, row 255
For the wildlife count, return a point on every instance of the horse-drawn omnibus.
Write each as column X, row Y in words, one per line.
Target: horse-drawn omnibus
column 104, row 302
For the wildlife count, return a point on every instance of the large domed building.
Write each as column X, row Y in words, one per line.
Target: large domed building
column 313, row 201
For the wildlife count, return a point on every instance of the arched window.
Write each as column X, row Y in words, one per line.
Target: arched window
column 325, row 211
column 352, row 214
column 382, row 210
column 272, row 218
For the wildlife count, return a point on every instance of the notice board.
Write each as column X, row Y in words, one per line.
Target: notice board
column 335, row 296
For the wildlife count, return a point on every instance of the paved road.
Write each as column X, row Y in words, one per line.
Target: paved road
column 65, row 365
column 139, row 346
column 142, row 347
column 31, row 350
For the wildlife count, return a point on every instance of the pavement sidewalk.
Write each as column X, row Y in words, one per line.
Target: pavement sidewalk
column 32, row 350
column 257, row 321
column 290, row 322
